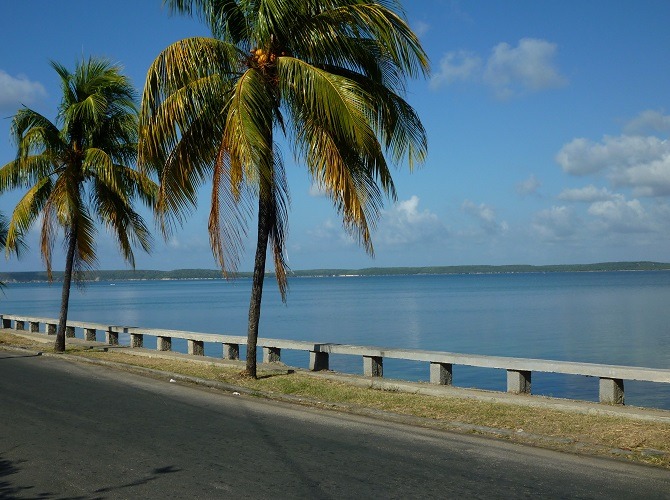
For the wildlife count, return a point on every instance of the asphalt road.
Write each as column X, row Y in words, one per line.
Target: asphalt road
column 70, row 430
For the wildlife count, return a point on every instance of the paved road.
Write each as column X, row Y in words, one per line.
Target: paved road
column 71, row 430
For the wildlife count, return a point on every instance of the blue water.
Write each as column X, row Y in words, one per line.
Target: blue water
column 614, row 318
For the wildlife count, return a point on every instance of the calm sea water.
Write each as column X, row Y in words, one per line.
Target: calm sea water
column 614, row 318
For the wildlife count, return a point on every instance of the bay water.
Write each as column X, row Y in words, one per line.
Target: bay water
column 618, row 318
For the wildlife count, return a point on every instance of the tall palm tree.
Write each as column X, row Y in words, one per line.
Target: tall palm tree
column 80, row 173
column 326, row 75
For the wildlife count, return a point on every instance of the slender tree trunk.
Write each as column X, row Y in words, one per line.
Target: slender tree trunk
column 264, row 221
column 65, row 296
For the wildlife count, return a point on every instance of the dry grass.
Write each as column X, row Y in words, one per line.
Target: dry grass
column 599, row 434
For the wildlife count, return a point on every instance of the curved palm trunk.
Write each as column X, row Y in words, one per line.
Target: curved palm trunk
column 264, row 223
column 65, row 296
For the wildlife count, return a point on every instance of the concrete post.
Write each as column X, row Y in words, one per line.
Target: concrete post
column 196, row 347
column 89, row 334
column 20, row 324
column 318, row 361
column 373, row 366
column 163, row 343
column 611, row 391
column 69, row 332
column 231, row 351
column 136, row 340
column 111, row 336
column 518, row 382
column 6, row 323
column 35, row 327
column 271, row 354
column 441, row 373
column 51, row 328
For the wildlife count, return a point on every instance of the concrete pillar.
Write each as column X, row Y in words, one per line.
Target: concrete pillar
column 164, row 343
column 518, row 382
column 373, row 366
column 196, row 347
column 35, row 326
column 51, row 328
column 441, row 373
column 271, row 354
column 136, row 340
column 111, row 336
column 611, row 391
column 6, row 323
column 69, row 332
column 318, row 361
column 20, row 324
column 89, row 334
column 231, row 351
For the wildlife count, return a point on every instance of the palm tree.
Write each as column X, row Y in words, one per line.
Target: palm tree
column 326, row 75
column 81, row 173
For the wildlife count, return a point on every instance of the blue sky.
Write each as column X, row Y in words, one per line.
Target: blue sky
column 547, row 122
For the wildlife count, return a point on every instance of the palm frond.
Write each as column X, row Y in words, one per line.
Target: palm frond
column 225, row 18
column 379, row 22
column 279, row 208
column 230, row 210
column 182, row 120
column 248, row 134
column 338, row 103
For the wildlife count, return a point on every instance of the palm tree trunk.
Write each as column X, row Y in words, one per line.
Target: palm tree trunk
column 65, row 296
column 264, row 221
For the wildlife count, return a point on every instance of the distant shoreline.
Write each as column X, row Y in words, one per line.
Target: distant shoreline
column 208, row 274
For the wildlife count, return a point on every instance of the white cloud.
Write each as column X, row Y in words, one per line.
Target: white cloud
column 330, row 234
column 457, row 66
column 17, row 91
column 406, row 224
column 642, row 163
column 420, row 28
column 508, row 70
column 648, row 121
column 582, row 156
column 486, row 216
column 555, row 223
column 621, row 216
column 587, row 194
column 646, row 179
column 529, row 186
column 529, row 66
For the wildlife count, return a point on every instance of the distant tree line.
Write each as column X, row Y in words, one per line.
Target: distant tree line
column 186, row 274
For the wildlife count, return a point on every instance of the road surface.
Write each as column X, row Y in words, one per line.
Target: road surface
column 71, row 430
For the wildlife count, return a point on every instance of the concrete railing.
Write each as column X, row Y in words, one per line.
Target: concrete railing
column 519, row 370
column 90, row 329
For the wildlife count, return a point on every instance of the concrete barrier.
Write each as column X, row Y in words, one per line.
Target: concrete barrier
column 519, row 370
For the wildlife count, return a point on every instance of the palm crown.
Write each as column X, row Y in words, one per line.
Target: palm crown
column 80, row 172
column 328, row 75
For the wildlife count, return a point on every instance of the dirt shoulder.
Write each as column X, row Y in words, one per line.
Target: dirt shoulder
column 624, row 433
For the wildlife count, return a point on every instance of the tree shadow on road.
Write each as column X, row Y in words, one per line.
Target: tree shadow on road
column 153, row 475
column 7, row 489
column 10, row 490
